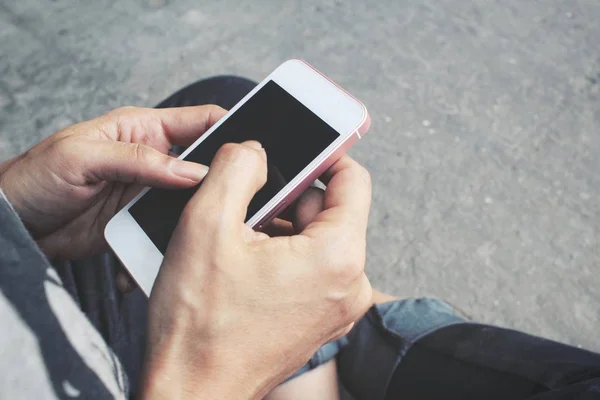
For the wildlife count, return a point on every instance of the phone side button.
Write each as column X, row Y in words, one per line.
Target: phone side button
column 275, row 212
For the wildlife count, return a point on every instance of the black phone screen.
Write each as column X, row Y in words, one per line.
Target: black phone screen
column 292, row 135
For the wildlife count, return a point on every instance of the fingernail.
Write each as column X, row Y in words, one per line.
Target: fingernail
column 189, row 170
column 254, row 144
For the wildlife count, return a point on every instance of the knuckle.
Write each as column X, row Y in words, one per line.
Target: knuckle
column 345, row 265
column 345, row 311
column 244, row 157
column 234, row 152
column 349, row 271
column 348, row 310
column 356, row 302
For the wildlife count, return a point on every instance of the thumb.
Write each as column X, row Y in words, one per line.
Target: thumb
column 308, row 206
column 236, row 173
column 140, row 164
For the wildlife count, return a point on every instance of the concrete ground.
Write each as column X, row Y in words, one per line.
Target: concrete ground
column 485, row 142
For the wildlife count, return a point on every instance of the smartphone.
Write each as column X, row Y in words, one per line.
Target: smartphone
column 304, row 121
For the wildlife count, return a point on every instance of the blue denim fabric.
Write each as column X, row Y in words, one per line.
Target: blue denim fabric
column 383, row 336
column 409, row 319
column 420, row 349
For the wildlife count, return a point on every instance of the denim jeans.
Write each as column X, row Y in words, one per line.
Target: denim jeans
column 421, row 349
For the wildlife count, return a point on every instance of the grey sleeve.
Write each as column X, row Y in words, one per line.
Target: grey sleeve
column 49, row 349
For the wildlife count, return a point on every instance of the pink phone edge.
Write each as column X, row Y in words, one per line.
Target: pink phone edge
column 324, row 166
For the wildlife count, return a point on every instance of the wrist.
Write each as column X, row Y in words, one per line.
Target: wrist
column 169, row 374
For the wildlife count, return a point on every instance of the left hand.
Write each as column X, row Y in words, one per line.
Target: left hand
column 67, row 187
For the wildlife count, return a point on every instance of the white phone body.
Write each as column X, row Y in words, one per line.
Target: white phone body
column 340, row 110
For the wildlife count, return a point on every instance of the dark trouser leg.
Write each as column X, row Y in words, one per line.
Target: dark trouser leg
column 122, row 318
column 420, row 349
column 224, row 91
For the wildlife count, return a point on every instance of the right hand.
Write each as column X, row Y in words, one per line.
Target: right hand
column 234, row 312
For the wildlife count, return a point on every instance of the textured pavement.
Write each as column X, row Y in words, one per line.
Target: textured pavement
column 485, row 138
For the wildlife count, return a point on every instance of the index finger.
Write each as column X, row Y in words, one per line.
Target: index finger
column 183, row 125
column 347, row 201
column 155, row 127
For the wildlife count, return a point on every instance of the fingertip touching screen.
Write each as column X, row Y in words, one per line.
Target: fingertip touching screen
column 291, row 134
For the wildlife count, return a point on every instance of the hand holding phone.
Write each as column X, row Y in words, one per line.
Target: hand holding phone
column 304, row 121
column 223, row 286
column 68, row 187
